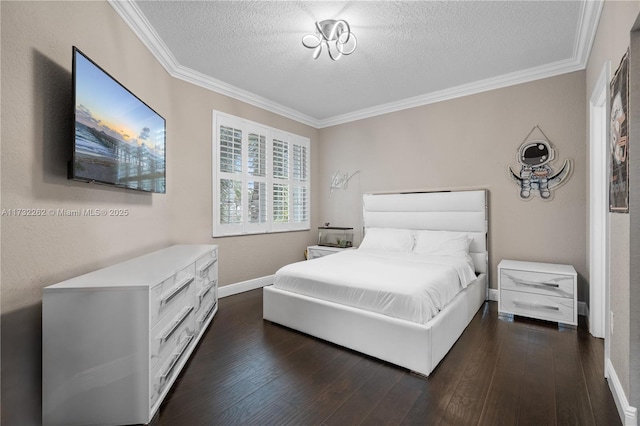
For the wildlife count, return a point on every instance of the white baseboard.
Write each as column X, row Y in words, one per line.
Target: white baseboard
column 241, row 287
column 493, row 294
column 628, row 414
column 583, row 309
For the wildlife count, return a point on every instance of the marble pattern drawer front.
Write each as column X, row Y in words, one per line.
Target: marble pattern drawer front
column 174, row 291
column 207, row 268
column 207, row 291
column 162, row 373
column 551, row 308
column 164, row 337
column 537, row 282
column 207, row 307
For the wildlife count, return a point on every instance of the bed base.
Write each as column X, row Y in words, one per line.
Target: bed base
column 417, row 347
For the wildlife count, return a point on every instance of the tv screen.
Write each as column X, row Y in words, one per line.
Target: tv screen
column 119, row 140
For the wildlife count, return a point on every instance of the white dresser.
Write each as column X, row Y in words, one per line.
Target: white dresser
column 114, row 340
column 546, row 291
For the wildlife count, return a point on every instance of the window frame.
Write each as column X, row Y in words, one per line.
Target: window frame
column 245, row 227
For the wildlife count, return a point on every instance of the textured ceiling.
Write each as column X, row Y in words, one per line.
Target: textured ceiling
column 409, row 52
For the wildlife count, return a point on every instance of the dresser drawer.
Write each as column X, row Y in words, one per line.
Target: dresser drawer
column 207, row 307
column 178, row 290
column 537, row 282
column 207, row 268
column 551, row 308
column 167, row 334
column 162, row 373
column 209, row 292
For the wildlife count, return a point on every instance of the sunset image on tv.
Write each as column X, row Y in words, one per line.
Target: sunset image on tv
column 118, row 138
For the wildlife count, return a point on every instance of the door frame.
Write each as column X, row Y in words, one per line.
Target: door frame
column 598, row 208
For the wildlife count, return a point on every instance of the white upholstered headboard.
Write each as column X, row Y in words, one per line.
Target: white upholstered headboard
column 462, row 211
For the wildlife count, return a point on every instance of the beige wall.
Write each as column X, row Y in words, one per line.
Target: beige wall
column 469, row 143
column 37, row 38
column 190, row 185
column 611, row 43
column 36, row 134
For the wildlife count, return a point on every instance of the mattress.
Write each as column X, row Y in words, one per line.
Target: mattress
column 401, row 285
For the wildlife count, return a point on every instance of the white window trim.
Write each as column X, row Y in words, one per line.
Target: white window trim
column 246, row 228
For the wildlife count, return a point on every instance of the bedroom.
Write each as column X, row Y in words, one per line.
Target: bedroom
column 36, row 48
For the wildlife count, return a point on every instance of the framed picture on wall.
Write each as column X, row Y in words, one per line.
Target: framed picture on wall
column 619, row 139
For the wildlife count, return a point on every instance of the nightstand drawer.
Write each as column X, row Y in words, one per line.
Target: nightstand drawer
column 544, row 307
column 537, row 282
column 314, row 252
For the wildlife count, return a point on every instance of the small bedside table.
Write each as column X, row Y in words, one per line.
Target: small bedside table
column 313, row 252
column 546, row 291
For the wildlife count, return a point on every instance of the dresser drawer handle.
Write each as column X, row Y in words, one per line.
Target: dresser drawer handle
column 205, row 316
column 165, row 298
column 176, row 357
column 535, row 305
column 203, row 269
column 204, row 292
column 182, row 316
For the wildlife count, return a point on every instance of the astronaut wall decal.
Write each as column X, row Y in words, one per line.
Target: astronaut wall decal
column 536, row 174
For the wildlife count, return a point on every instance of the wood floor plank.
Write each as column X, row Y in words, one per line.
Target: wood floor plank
column 356, row 408
column 397, row 402
column 330, row 399
column 592, row 355
column 501, row 406
column 306, row 390
column 501, row 371
column 573, row 406
column 260, row 397
column 430, row 406
column 465, row 406
column 537, row 404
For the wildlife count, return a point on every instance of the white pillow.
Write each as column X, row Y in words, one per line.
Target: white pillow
column 388, row 239
column 442, row 243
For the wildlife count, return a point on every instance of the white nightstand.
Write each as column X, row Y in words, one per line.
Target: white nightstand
column 314, row 252
column 546, row 291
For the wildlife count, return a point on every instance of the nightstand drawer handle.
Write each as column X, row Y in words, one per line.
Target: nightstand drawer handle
column 535, row 305
column 535, row 283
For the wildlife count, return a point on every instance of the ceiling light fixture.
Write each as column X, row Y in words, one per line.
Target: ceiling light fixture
column 336, row 35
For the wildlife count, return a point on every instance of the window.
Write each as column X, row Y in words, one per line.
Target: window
column 261, row 179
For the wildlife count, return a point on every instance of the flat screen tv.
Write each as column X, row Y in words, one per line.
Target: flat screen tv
column 118, row 139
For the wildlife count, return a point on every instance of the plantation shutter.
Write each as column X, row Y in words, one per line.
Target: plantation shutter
column 300, row 183
column 261, row 178
column 230, row 171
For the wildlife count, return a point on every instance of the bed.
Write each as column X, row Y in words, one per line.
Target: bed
column 343, row 298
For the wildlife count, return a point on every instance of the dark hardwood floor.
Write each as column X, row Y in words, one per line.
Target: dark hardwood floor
column 500, row 372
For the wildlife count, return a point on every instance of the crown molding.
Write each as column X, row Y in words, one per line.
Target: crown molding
column 499, row 82
column 138, row 23
column 587, row 27
column 590, row 16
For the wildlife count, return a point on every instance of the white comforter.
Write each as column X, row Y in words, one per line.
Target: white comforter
column 401, row 285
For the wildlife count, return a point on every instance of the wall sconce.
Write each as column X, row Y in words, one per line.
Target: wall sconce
column 335, row 35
